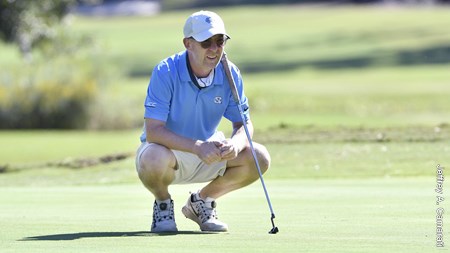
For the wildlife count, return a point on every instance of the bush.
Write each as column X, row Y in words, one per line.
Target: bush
column 54, row 94
column 120, row 114
column 57, row 83
column 56, row 89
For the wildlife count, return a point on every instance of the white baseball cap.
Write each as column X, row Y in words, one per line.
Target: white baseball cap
column 203, row 25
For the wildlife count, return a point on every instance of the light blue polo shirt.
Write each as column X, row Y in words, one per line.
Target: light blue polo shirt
column 191, row 112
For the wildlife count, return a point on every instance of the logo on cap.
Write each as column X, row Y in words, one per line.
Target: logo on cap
column 208, row 20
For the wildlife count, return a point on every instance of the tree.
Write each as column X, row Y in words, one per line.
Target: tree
column 29, row 22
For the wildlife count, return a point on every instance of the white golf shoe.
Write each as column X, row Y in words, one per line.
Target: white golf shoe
column 163, row 217
column 203, row 212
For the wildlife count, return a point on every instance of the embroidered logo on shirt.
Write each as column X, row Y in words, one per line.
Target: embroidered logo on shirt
column 151, row 104
column 218, row 100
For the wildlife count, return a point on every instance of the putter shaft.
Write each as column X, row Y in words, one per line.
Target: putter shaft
column 244, row 122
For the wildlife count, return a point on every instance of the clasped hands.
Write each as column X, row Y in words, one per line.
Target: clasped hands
column 216, row 151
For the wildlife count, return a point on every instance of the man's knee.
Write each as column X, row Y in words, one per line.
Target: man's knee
column 156, row 159
column 262, row 155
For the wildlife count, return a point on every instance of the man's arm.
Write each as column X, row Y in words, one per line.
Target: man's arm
column 239, row 137
column 158, row 133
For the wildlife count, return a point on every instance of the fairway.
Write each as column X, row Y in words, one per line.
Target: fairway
column 379, row 215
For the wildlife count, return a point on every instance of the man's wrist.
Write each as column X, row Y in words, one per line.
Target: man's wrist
column 238, row 144
column 196, row 148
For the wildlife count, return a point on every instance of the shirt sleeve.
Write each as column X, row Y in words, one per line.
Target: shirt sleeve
column 159, row 94
column 232, row 112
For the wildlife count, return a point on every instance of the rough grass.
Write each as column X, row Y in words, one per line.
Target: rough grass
column 296, row 153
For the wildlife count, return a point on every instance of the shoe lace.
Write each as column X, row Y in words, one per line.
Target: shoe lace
column 161, row 215
column 206, row 212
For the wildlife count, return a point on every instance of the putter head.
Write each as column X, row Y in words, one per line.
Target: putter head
column 274, row 230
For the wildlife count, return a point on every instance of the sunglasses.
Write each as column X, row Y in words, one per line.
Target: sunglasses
column 220, row 42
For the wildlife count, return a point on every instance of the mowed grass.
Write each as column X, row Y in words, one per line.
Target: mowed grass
column 382, row 215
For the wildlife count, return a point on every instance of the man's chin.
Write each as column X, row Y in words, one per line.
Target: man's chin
column 216, row 63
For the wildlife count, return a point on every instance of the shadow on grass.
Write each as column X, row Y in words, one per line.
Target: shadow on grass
column 433, row 55
column 81, row 235
column 437, row 55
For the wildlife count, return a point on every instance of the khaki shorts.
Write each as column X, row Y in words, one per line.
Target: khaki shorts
column 190, row 168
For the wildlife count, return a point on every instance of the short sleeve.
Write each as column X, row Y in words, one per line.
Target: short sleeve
column 159, row 94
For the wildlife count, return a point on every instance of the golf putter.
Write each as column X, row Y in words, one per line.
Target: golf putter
column 233, row 88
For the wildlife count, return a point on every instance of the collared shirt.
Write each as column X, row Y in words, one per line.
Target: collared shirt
column 188, row 111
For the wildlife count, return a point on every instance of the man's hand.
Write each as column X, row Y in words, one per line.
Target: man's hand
column 228, row 149
column 208, row 151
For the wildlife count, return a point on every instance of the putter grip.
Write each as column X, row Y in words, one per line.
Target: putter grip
column 231, row 82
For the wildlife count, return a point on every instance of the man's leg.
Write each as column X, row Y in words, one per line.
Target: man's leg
column 240, row 172
column 157, row 170
column 156, row 166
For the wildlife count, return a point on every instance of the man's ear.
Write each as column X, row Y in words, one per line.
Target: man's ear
column 187, row 43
